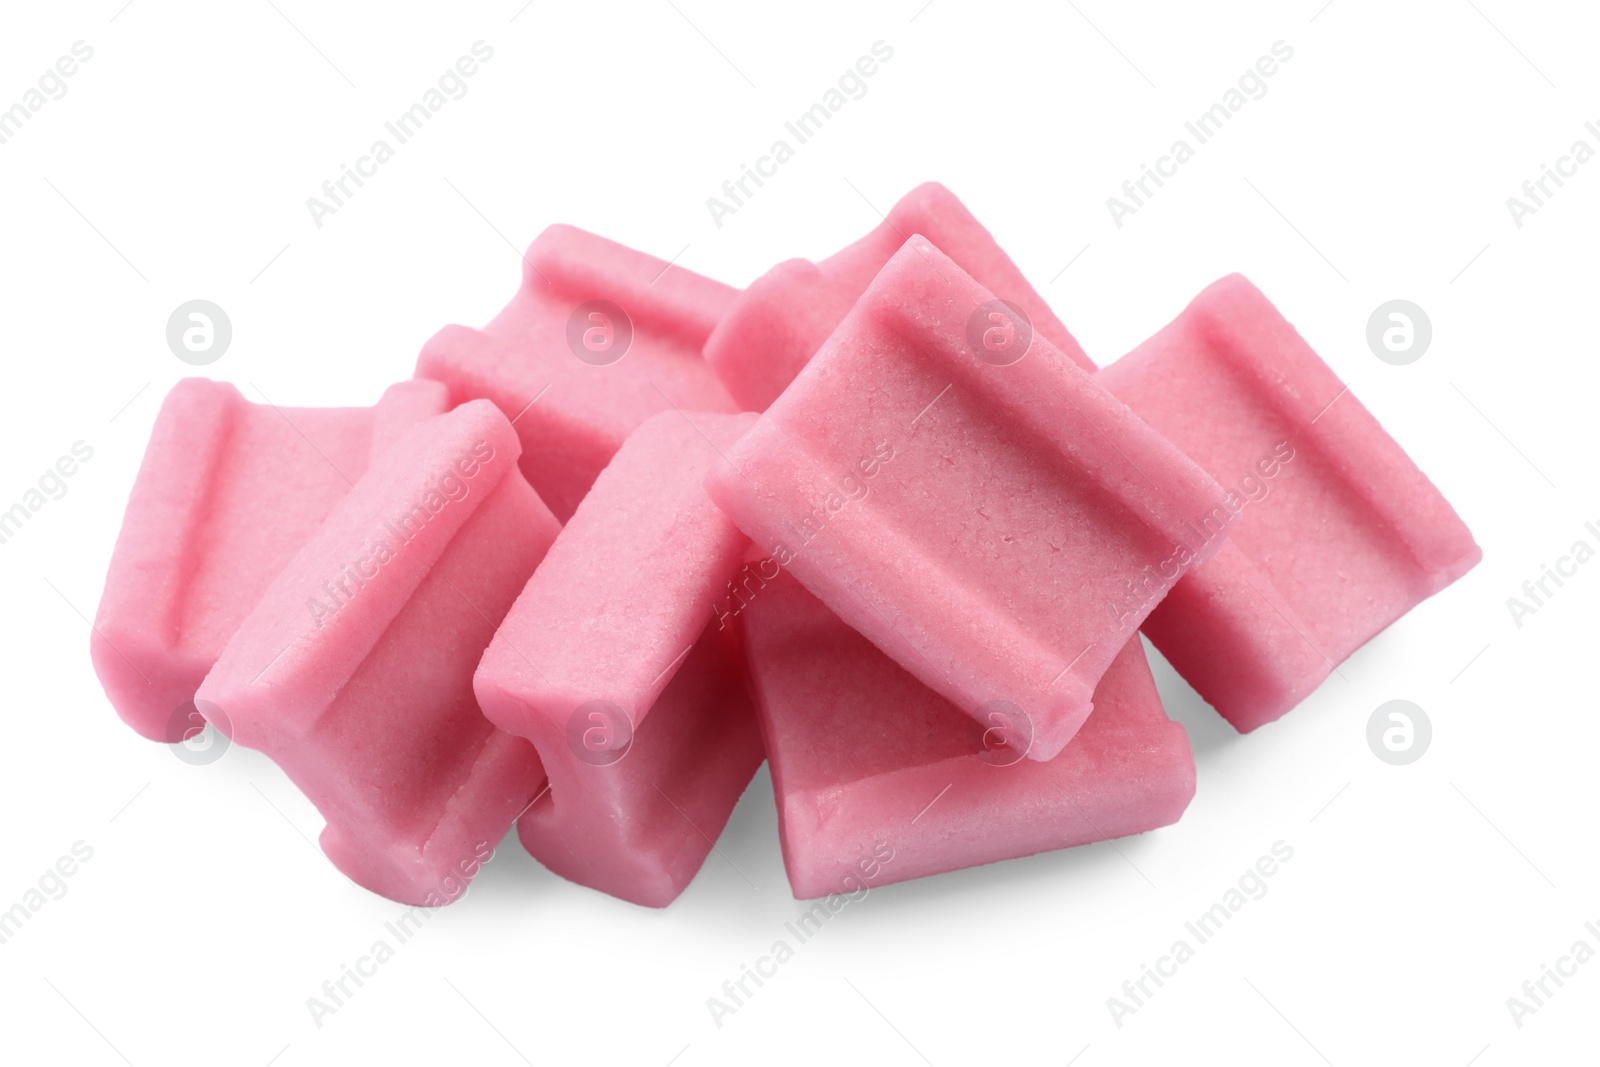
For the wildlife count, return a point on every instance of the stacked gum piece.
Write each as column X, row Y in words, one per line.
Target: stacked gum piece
column 1345, row 536
column 598, row 338
column 354, row 670
column 776, row 326
column 612, row 665
column 989, row 517
column 879, row 779
column 209, row 525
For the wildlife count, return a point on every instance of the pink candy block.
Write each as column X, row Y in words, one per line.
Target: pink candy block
column 611, row 664
column 777, row 324
column 1340, row 533
column 209, row 524
column 597, row 340
column 879, row 779
column 969, row 500
column 354, row 671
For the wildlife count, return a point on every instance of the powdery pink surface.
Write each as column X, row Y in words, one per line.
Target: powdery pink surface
column 354, row 671
column 879, row 779
column 1000, row 531
column 581, row 413
column 622, row 610
column 1348, row 537
column 777, row 324
column 227, row 492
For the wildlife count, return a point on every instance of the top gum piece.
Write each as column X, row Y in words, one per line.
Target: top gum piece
column 969, row 499
column 775, row 326
column 598, row 338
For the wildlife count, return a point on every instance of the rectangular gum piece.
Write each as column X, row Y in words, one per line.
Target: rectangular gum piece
column 1345, row 536
column 574, row 385
column 969, row 499
column 878, row 779
column 354, row 671
column 209, row 524
column 613, row 664
column 778, row 323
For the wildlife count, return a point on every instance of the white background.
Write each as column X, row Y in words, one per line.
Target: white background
column 1377, row 166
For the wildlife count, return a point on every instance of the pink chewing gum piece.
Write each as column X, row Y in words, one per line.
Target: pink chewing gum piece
column 879, row 779
column 776, row 325
column 615, row 664
column 598, row 338
column 209, row 525
column 969, row 499
column 354, row 671
column 1340, row 534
